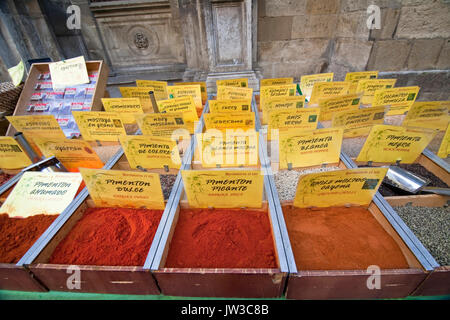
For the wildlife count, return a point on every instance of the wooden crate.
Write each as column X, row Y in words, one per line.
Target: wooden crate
column 208, row 282
column 38, row 68
column 16, row 276
column 427, row 200
column 197, row 164
column 352, row 284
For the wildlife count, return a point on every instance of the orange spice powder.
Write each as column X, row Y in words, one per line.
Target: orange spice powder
column 222, row 238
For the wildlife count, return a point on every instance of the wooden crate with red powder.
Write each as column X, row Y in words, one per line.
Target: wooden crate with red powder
column 109, row 246
column 236, row 252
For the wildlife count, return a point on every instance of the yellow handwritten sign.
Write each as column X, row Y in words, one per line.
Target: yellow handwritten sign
column 73, row 153
column 202, row 88
column 229, row 105
column 151, row 152
column 232, row 93
column 358, row 122
column 160, row 87
column 126, row 189
column 230, row 120
column 139, row 92
column 187, row 90
column 329, row 106
column 101, row 126
column 223, row 188
column 241, row 82
column 283, row 120
column 41, row 193
column 309, row 148
column 164, row 125
column 428, row 114
column 307, row 82
column 231, row 150
column 185, row 105
column 369, row 86
column 444, row 149
column 11, row 154
column 328, row 89
column 276, row 82
column 338, row 188
column 392, row 143
column 284, row 103
column 399, row 99
column 355, row 77
column 126, row 107
column 69, row 72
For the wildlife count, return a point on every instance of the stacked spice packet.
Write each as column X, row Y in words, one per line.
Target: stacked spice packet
column 61, row 102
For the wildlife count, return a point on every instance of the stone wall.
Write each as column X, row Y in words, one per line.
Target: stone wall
column 297, row 37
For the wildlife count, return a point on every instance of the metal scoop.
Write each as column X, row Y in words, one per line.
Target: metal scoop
column 409, row 182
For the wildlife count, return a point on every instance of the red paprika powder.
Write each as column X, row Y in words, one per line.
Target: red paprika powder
column 340, row 238
column 109, row 237
column 17, row 235
column 222, row 238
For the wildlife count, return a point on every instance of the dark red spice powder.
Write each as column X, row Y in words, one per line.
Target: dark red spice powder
column 340, row 239
column 109, row 237
column 17, row 235
column 222, row 238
